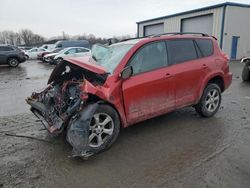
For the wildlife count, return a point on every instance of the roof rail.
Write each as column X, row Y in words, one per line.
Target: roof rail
column 181, row 33
column 137, row 38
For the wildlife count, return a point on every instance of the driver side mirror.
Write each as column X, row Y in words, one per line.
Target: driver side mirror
column 126, row 72
column 66, row 53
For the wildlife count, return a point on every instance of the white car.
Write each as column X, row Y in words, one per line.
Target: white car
column 54, row 58
column 73, row 52
column 49, row 58
column 32, row 53
column 48, row 46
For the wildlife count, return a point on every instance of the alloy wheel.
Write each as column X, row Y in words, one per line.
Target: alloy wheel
column 13, row 62
column 212, row 100
column 101, row 128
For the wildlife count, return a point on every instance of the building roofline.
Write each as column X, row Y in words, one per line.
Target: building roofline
column 197, row 10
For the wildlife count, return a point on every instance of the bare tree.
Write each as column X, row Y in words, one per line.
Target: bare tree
column 18, row 39
column 8, row 37
column 29, row 38
column 12, row 38
column 2, row 38
column 26, row 35
column 65, row 36
column 37, row 39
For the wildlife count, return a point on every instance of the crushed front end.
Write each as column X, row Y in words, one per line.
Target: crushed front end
column 55, row 105
column 65, row 106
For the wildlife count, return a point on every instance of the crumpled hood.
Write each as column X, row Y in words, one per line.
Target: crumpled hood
column 87, row 63
column 89, row 67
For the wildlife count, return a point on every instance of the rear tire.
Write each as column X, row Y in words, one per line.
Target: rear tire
column 13, row 62
column 246, row 74
column 210, row 101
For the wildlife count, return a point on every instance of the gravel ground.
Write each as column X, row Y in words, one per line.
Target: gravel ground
column 179, row 149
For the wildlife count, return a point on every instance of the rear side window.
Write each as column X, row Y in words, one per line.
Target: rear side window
column 150, row 57
column 71, row 51
column 205, row 46
column 181, row 50
column 82, row 50
column 6, row 48
column 33, row 50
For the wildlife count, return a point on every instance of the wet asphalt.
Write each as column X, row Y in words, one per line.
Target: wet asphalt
column 179, row 149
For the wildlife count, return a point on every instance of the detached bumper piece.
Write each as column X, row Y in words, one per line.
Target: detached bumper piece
column 77, row 126
column 78, row 132
column 51, row 121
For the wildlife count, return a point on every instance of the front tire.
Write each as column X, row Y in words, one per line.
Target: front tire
column 210, row 101
column 13, row 62
column 104, row 128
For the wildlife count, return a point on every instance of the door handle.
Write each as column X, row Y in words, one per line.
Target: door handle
column 204, row 66
column 168, row 75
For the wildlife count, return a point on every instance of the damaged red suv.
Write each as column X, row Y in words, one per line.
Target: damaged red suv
column 91, row 98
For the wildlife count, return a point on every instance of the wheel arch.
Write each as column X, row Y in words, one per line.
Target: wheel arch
column 219, row 81
column 213, row 78
column 96, row 99
column 10, row 57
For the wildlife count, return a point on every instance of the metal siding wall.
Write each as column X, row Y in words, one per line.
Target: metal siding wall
column 203, row 24
column 154, row 29
column 237, row 24
column 141, row 26
column 173, row 24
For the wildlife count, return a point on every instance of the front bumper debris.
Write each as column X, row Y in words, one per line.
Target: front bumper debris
column 78, row 131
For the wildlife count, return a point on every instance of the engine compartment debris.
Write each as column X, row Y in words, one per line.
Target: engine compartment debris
column 64, row 106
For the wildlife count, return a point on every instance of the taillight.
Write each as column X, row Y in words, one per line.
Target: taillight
column 226, row 70
column 225, row 56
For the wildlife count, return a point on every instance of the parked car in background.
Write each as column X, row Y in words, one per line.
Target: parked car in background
column 92, row 98
column 72, row 43
column 72, row 52
column 24, row 48
column 246, row 69
column 49, row 58
column 11, row 55
column 49, row 47
column 32, row 53
column 54, row 58
column 41, row 55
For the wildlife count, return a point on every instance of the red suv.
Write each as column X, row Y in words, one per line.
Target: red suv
column 91, row 98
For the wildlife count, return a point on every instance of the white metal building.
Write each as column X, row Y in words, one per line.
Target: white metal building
column 228, row 22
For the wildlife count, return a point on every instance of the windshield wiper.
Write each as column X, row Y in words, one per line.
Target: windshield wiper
column 94, row 58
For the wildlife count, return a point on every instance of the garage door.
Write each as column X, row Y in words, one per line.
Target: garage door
column 202, row 24
column 153, row 29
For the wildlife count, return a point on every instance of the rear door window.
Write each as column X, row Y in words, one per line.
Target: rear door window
column 71, row 51
column 181, row 50
column 205, row 46
column 150, row 57
column 82, row 50
column 33, row 50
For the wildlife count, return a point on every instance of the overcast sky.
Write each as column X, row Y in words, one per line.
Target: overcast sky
column 104, row 18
